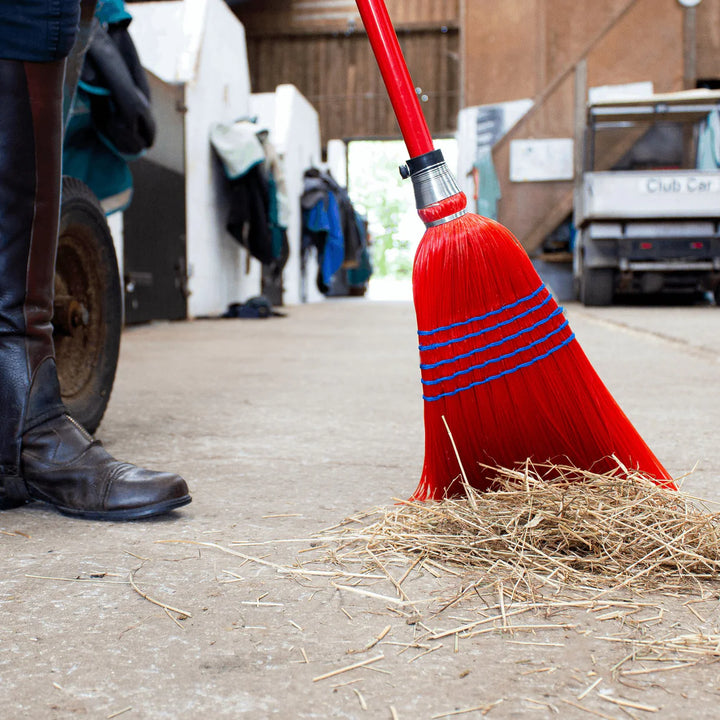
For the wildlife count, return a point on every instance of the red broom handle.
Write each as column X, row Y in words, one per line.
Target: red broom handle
column 396, row 76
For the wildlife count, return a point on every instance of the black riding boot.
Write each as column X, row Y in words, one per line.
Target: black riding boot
column 44, row 454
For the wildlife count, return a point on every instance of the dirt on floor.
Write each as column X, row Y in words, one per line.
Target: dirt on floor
column 284, row 428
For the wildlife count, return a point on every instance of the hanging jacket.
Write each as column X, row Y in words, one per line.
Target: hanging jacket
column 708, row 147
column 358, row 276
column 329, row 224
column 111, row 120
column 324, row 217
column 257, row 218
column 351, row 237
column 116, row 82
column 248, row 218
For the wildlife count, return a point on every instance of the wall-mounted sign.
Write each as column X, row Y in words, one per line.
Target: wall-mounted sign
column 541, row 160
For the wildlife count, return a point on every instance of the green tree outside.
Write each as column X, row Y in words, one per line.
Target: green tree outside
column 377, row 190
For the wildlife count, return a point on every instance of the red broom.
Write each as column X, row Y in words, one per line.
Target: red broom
column 500, row 365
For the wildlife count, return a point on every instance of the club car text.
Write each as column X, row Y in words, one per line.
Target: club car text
column 680, row 185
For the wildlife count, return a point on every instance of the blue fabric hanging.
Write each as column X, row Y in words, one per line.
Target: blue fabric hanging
column 708, row 151
column 488, row 186
column 326, row 218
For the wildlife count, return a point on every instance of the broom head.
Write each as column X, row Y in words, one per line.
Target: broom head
column 504, row 379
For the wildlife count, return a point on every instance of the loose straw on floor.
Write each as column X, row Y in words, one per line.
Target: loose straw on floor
column 555, row 522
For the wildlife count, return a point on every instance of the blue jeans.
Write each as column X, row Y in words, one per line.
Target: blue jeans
column 38, row 30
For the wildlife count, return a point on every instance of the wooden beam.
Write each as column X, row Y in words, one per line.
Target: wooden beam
column 335, row 31
column 689, row 48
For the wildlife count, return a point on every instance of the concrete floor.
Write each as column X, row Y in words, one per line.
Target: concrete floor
column 284, row 427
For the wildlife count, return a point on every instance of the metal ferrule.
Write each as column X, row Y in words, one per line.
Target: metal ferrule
column 433, row 184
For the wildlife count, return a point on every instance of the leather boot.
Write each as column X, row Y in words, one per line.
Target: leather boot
column 44, row 454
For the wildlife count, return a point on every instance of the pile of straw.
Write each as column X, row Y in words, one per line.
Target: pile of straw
column 558, row 525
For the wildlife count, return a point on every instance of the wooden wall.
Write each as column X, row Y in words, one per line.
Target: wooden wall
column 277, row 17
column 708, row 40
column 338, row 75
column 466, row 52
column 322, row 49
column 636, row 41
column 515, row 48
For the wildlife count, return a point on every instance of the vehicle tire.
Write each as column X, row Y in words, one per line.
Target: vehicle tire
column 596, row 287
column 88, row 313
column 717, row 295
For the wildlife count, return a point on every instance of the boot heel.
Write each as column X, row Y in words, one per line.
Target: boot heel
column 12, row 492
column 10, row 503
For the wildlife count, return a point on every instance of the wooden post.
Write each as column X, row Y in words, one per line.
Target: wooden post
column 580, row 110
column 689, row 48
column 463, row 53
column 689, row 71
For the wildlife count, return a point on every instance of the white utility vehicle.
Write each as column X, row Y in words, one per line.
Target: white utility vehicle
column 647, row 202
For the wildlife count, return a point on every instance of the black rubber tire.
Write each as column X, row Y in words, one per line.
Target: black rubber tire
column 596, row 287
column 87, row 280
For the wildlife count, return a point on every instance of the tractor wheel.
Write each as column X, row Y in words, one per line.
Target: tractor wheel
column 88, row 316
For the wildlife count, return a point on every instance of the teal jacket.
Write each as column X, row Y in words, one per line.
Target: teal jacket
column 103, row 102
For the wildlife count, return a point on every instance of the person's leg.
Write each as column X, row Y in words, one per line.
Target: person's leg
column 29, row 199
column 44, row 454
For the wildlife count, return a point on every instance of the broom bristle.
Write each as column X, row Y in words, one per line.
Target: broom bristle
column 502, row 367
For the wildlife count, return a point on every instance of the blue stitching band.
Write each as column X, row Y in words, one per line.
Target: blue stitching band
column 491, row 361
column 432, row 398
column 430, row 366
column 497, row 326
column 486, row 315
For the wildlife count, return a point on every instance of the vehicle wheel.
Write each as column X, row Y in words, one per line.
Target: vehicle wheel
column 87, row 320
column 717, row 295
column 596, row 287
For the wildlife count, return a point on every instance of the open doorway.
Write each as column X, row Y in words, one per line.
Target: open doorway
column 388, row 202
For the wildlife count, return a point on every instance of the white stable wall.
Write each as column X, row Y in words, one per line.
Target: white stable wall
column 336, row 160
column 115, row 223
column 198, row 46
column 220, row 270
column 295, row 133
column 168, row 99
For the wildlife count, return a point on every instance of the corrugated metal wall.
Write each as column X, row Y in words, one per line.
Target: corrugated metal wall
column 320, row 47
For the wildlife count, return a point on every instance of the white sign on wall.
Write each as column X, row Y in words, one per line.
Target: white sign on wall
column 613, row 93
column 541, row 160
